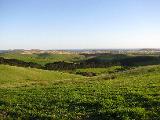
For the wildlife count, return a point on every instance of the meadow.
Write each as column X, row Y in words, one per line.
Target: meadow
column 114, row 93
column 42, row 58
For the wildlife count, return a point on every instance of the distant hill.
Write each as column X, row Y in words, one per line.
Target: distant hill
column 4, row 51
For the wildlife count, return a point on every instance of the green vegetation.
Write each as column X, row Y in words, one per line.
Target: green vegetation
column 99, row 71
column 18, row 76
column 110, row 57
column 114, row 87
column 28, row 93
column 42, row 58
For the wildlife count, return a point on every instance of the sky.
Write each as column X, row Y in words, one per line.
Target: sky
column 79, row 24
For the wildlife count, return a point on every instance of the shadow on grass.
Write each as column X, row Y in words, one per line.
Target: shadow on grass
column 3, row 103
column 147, row 108
column 137, row 100
column 136, row 106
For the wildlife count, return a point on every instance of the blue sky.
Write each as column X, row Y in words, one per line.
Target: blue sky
column 71, row 24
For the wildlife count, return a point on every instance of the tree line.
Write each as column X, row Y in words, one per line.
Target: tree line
column 20, row 63
column 90, row 63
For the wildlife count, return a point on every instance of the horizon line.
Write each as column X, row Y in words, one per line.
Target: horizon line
column 82, row 49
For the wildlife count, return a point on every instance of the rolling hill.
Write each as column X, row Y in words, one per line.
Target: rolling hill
column 29, row 93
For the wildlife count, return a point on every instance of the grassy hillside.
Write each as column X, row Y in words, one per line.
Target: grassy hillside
column 42, row 58
column 36, row 94
column 99, row 71
column 18, row 76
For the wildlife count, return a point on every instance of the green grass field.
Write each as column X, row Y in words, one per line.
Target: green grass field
column 43, row 58
column 27, row 93
column 99, row 71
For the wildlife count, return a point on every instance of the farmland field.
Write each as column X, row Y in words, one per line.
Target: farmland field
column 115, row 92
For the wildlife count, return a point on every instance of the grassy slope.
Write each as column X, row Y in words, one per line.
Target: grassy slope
column 17, row 76
column 31, row 93
column 100, row 71
column 42, row 58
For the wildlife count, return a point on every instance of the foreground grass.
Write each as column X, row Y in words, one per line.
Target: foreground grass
column 133, row 94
